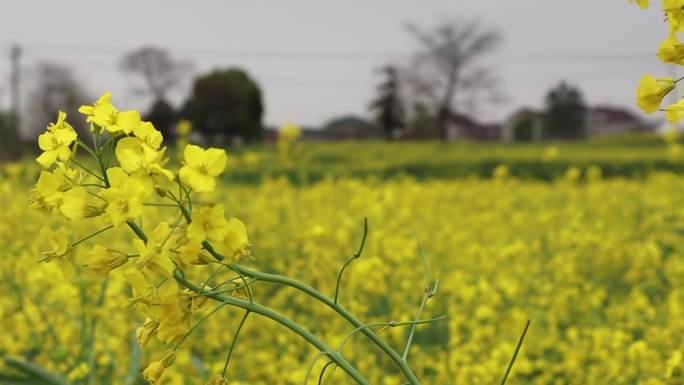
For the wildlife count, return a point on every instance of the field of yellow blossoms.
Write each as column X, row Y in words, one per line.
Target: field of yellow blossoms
column 597, row 265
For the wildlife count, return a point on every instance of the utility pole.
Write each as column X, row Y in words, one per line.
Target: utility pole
column 15, row 54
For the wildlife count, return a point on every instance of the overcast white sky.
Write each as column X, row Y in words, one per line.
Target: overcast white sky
column 318, row 59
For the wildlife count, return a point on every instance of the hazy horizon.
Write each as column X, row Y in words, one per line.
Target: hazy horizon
column 315, row 61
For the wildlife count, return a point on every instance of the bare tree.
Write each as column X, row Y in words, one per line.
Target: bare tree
column 160, row 71
column 448, row 67
column 55, row 88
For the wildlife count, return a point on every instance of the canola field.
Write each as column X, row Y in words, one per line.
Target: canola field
column 595, row 263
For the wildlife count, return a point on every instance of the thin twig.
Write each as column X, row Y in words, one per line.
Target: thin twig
column 351, row 259
column 515, row 353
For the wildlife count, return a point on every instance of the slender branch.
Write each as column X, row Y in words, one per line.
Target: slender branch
column 195, row 326
column 87, row 148
column 412, row 332
column 351, row 259
column 87, row 170
column 390, row 324
column 325, row 367
column 92, row 235
column 234, row 341
column 515, row 353
column 344, row 313
column 311, row 365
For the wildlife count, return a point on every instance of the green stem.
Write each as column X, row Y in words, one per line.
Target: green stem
column 391, row 324
column 273, row 278
column 351, row 259
column 233, row 342
column 87, row 170
column 409, row 341
column 325, row 367
column 91, row 235
column 195, row 326
column 515, row 353
column 281, row 319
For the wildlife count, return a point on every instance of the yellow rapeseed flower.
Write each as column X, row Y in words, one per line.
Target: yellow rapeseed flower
column 235, row 242
column 202, row 166
column 56, row 142
column 651, row 92
column 641, row 3
column 148, row 135
column 675, row 112
column 218, row 380
column 675, row 14
column 146, row 331
column 102, row 113
column 125, row 121
column 58, row 251
column 154, row 258
column 153, row 372
column 671, row 50
column 102, row 260
column 139, row 159
column 124, row 196
column 208, row 222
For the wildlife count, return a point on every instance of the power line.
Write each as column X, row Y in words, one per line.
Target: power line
column 295, row 54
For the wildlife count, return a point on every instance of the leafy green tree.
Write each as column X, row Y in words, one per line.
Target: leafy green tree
column 565, row 113
column 226, row 105
column 388, row 107
column 10, row 145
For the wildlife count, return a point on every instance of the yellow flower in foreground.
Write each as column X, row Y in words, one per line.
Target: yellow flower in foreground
column 675, row 15
column 123, row 197
column 142, row 161
column 218, row 380
column 641, row 3
column 235, row 243
column 48, row 191
column 58, row 251
column 56, row 142
column 675, row 112
column 154, row 257
column 146, row 331
column 651, row 92
column 202, row 166
column 102, row 260
column 102, row 113
column 208, row 222
column 671, row 51
column 153, row 372
column 148, row 135
column 75, row 204
column 125, row 121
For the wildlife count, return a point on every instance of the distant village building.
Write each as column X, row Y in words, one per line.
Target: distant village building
column 465, row 127
column 348, row 127
column 606, row 120
column 525, row 124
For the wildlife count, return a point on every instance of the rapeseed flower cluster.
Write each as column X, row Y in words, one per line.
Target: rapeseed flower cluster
column 595, row 263
column 108, row 196
column 651, row 91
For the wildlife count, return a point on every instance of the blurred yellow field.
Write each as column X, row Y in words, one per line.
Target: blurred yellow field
column 596, row 266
